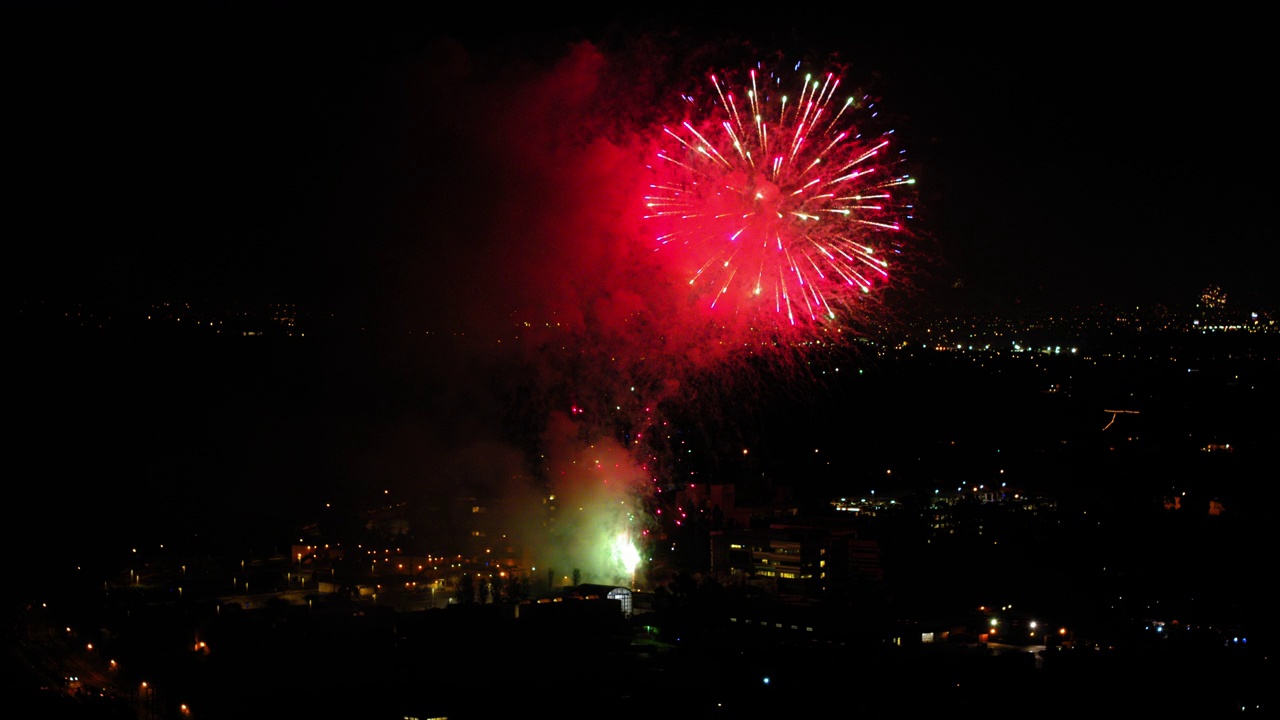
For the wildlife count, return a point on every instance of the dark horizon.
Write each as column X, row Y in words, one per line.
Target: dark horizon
column 163, row 431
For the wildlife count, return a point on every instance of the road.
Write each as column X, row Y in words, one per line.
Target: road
column 60, row 665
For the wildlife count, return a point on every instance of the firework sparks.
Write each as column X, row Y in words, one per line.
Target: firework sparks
column 780, row 208
column 626, row 555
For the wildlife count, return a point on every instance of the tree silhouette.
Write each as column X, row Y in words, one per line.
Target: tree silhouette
column 466, row 593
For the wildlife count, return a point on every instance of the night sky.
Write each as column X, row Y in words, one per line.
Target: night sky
column 355, row 160
column 436, row 175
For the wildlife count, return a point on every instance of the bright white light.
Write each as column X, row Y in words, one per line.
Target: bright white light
column 626, row 553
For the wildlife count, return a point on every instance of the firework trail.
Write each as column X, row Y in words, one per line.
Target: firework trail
column 776, row 205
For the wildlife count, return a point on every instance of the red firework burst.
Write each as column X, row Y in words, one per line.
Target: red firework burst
column 777, row 207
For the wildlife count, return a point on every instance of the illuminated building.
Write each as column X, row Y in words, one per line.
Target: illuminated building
column 798, row 557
